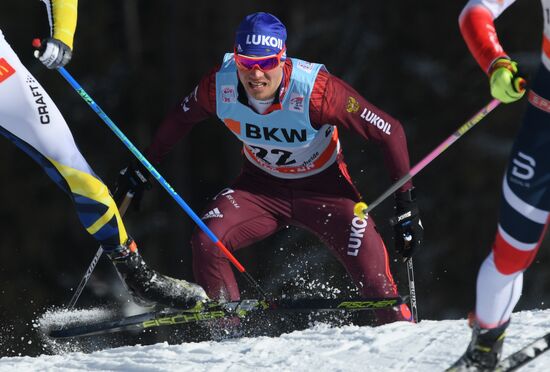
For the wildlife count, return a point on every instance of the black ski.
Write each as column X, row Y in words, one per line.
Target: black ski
column 525, row 355
column 215, row 310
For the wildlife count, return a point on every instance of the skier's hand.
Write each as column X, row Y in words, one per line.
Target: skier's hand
column 133, row 179
column 507, row 85
column 407, row 226
column 53, row 53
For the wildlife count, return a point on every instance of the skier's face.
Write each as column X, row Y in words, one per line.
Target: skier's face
column 259, row 84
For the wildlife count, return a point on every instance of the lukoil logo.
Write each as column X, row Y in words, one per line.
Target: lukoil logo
column 358, row 227
column 376, row 120
column 270, row 41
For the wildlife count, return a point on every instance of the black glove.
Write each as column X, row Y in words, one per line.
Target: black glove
column 134, row 179
column 53, row 53
column 406, row 224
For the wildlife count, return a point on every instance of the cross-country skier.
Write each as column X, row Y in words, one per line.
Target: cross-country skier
column 30, row 119
column 525, row 201
column 288, row 112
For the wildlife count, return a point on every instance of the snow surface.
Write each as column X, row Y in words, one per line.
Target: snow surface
column 427, row 346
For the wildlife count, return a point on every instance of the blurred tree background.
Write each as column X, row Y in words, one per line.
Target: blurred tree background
column 138, row 58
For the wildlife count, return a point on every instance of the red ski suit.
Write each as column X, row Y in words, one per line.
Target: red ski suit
column 258, row 204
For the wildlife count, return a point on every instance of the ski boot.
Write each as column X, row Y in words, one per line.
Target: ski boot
column 484, row 351
column 148, row 287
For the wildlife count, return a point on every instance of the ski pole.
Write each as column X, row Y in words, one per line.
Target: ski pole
column 412, row 290
column 159, row 178
column 361, row 209
column 85, row 279
column 122, row 209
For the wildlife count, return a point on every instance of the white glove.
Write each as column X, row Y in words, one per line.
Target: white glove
column 53, row 53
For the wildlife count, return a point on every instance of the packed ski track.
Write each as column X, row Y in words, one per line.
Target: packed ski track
column 427, row 346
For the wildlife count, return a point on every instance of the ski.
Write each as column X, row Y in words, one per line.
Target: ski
column 217, row 310
column 525, row 355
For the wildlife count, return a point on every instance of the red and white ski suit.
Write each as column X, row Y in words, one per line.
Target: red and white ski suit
column 525, row 203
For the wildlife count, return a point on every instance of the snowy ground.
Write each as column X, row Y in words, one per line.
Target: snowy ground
column 427, row 346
